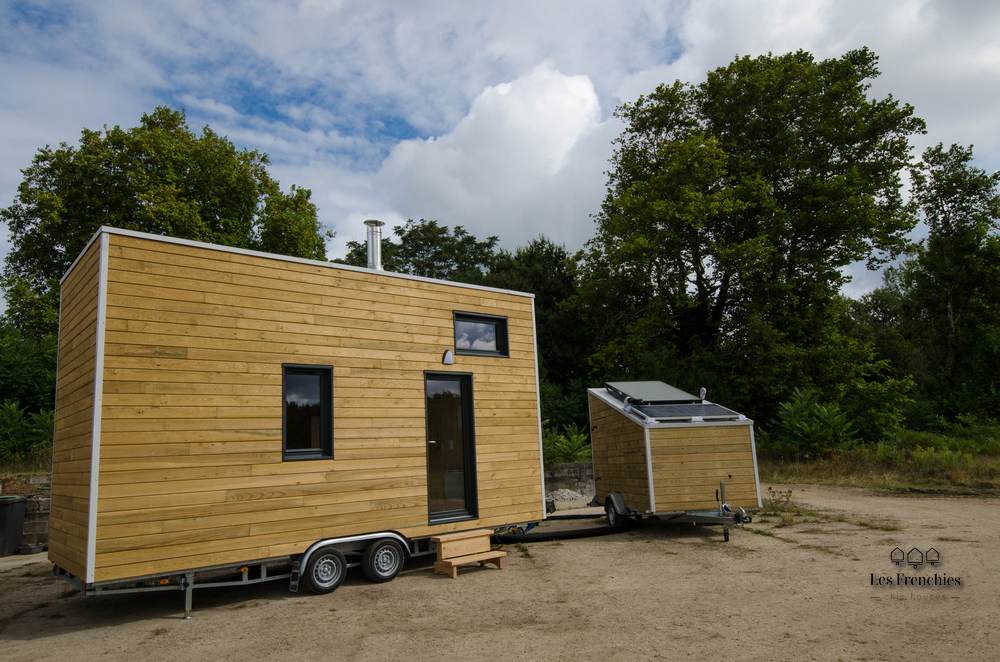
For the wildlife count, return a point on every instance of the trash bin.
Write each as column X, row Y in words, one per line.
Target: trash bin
column 11, row 522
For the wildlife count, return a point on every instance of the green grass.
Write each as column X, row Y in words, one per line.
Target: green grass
column 961, row 458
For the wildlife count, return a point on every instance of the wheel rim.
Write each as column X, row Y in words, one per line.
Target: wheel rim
column 612, row 516
column 327, row 571
column 386, row 561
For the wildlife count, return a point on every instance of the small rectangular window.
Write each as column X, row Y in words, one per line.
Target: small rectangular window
column 307, row 432
column 482, row 335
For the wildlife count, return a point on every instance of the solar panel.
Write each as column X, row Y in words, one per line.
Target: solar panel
column 707, row 411
column 649, row 392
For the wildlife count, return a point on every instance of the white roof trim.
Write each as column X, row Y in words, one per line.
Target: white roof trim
column 284, row 258
column 611, row 401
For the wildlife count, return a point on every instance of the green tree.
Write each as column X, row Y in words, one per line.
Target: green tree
column 550, row 272
column 158, row 177
column 732, row 209
column 426, row 248
column 938, row 314
column 26, row 369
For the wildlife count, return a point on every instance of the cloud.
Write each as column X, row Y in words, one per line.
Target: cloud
column 495, row 117
column 527, row 158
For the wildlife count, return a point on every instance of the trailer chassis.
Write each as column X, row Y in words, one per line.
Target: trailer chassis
column 724, row 515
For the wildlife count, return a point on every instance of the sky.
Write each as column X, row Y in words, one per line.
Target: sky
column 494, row 116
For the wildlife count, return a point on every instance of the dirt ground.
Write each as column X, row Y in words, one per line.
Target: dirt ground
column 776, row 591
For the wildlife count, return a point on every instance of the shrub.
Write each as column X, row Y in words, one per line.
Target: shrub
column 568, row 444
column 807, row 428
column 22, row 435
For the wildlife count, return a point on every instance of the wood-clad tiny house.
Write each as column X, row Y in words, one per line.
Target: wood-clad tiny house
column 668, row 452
column 217, row 406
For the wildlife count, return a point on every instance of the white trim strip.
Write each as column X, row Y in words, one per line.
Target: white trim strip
column 756, row 475
column 649, row 472
column 95, row 431
column 302, row 260
column 538, row 404
column 77, row 259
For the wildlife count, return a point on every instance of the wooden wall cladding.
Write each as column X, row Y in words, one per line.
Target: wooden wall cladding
column 191, row 471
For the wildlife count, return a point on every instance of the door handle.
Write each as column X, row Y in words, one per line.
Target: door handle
column 431, row 442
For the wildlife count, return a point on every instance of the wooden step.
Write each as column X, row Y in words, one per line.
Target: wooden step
column 454, row 545
column 462, row 535
column 451, row 566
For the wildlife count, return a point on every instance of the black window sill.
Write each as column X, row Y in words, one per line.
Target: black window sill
column 448, row 519
column 473, row 352
column 305, row 456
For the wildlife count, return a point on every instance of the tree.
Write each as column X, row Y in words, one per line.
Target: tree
column 425, row 248
column 941, row 308
column 157, row 177
column 550, row 272
column 733, row 206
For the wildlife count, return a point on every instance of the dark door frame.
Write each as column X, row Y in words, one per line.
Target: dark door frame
column 469, row 446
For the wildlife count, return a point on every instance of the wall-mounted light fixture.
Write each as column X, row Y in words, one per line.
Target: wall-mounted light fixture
column 448, row 358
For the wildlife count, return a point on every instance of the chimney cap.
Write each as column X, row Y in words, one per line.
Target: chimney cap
column 374, row 223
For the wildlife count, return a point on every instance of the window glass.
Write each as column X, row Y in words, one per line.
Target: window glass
column 307, row 412
column 480, row 336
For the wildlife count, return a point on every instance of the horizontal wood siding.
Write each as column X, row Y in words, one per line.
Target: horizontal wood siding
column 191, row 466
column 618, row 446
column 689, row 462
column 71, row 441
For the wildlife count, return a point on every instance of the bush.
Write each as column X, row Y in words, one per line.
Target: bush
column 570, row 444
column 807, row 428
column 23, row 436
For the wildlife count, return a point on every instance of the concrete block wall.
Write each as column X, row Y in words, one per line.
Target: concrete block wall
column 576, row 476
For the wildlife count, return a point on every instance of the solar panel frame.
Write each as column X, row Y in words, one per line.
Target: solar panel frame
column 650, row 392
column 678, row 411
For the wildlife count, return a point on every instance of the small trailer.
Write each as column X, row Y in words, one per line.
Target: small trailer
column 226, row 416
column 660, row 452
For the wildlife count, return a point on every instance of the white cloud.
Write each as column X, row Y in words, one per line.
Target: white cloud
column 510, row 102
column 504, row 169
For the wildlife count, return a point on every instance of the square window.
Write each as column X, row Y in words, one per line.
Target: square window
column 480, row 335
column 307, row 412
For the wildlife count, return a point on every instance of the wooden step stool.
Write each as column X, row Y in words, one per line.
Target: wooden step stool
column 467, row 548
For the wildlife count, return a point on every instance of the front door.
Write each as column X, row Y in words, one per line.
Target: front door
column 451, row 464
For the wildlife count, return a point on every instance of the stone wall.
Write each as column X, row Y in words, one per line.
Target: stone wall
column 576, row 476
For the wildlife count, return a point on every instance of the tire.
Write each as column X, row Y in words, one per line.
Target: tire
column 383, row 559
column 326, row 570
column 616, row 520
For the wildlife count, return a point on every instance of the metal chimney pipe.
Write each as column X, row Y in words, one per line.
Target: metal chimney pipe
column 374, row 243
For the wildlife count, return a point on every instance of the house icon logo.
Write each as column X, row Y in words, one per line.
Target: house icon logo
column 915, row 557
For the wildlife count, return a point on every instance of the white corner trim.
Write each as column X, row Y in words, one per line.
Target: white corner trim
column 756, row 475
column 538, row 404
column 649, row 472
column 301, row 260
column 95, row 431
column 93, row 237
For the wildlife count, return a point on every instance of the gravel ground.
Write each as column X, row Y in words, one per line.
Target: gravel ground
column 796, row 591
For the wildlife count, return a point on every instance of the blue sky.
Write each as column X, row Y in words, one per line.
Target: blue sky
column 495, row 116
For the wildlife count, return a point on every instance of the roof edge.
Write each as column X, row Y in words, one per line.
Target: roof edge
column 107, row 229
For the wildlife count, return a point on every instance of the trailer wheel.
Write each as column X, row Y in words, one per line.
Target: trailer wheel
column 326, row 570
column 383, row 559
column 615, row 519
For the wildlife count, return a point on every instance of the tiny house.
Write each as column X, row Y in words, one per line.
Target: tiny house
column 224, row 408
column 659, row 451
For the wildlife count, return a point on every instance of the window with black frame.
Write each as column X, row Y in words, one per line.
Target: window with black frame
column 307, row 412
column 480, row 335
